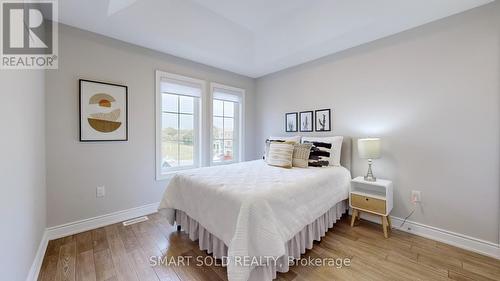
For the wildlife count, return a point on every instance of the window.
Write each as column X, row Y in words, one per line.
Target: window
column 178, row 102
column 193, row 129
column 226, row 123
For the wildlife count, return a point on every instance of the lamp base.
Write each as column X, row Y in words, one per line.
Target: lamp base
column 367, row 178
column 369, row 175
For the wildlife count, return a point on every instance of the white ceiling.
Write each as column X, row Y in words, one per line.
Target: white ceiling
column 254, row 37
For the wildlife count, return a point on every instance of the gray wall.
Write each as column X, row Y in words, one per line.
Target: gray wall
column 127, row 169
column 432, row 94
column 22, row 170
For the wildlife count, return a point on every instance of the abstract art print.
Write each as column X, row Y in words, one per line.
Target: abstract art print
column 323, row 120
column 291, row 120
column 306, row 121
column 103, row 111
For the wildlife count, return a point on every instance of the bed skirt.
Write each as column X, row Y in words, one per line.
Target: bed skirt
column 294, row 247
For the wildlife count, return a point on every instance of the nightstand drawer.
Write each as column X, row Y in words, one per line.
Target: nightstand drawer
column 368, row 203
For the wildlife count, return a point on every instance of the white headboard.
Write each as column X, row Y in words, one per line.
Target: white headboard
column 346, row 153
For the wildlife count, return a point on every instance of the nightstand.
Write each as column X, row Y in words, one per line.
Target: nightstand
column 373, row 197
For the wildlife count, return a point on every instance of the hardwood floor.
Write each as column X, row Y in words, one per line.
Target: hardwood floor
column 116, row 253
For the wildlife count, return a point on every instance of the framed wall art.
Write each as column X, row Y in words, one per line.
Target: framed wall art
column 323, row 120
column 291, row 120
column 103, row 111
column 306, row 121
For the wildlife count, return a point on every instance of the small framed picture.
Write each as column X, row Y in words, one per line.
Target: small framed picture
column 291, row 120
column 103, row 111
column 323, row 120
column 306, row 121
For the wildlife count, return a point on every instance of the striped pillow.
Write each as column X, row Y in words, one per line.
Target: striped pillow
column 268, row 143
column 301, row 153
column 280, row 154
column 266, row 149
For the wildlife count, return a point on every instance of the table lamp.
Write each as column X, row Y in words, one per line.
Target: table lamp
column 369, row 149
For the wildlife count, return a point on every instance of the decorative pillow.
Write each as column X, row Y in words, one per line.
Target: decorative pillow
column 324, row 149
column 300, row 157
column 280, row 154
column 266, row 149
column 295, row 139
column 320, row 154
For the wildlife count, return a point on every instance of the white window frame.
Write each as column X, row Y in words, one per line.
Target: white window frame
column 200, row 123
column 239, row 150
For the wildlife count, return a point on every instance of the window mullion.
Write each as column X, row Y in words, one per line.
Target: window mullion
column 223, row 130
column 178, row 130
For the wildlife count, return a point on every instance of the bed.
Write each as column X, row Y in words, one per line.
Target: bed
column 251, row 209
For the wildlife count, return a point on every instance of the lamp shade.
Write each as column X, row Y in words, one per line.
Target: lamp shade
column 369, row 148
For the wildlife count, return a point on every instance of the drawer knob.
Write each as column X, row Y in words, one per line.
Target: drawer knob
column 366, row 199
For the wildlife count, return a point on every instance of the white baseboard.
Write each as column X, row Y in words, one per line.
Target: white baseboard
column 99, row 221
column 37, row 262
column 452, row 238
column 63, row 230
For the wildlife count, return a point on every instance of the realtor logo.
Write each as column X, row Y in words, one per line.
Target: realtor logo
column 29, row 34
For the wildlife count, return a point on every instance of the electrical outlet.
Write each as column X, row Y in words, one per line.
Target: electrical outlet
column 415, row 196
column 101, row 191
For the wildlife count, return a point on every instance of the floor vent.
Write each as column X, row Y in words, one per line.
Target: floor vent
column 136, row 220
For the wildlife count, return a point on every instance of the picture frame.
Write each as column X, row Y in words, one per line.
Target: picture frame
column 291, row 122
column 323, row 120
column 103, row 111
column 306, row 121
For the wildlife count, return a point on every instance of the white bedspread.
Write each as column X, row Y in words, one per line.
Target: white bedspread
column 253, row 207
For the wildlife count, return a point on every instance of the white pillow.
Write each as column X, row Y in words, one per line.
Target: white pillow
column 336, row 147
column 294, row 138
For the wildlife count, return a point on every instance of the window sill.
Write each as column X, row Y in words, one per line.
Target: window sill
column 223, row 163
column 168, row 174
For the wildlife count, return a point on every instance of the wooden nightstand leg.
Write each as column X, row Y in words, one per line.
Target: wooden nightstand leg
column 389, row 222
column 384, row 226
column 353, row 216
